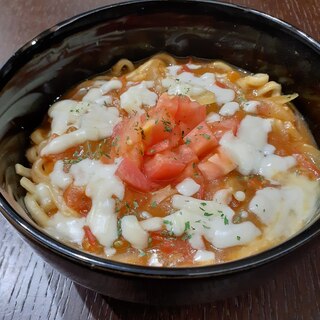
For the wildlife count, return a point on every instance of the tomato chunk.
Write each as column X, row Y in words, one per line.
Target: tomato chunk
column 201, row 139
column 157, row 128
column 158, row 147
column 186, row 155
column 90, row 242
column 76, row 199
column 130, row 173
column 219, row 128
column 189, row 114
column 163, row 166
column 217, row 165
column 168, row 103
column 308, row 165
column 127, row 140
column 171, row 245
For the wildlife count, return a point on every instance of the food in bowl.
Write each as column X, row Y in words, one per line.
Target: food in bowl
column 172, row 162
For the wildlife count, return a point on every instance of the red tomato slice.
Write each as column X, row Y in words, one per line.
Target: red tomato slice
column 219, row 128
column 76, row 199
column 211, row 170
column 216, row 166
column 90, row 242
column 163, row 166
column 189, row 114
column 201, row 139
column 158, row 127
column 186, row 155
column 184, row 68
column 171, row 245
column 220, row 84
column 168, row 103
column 129, row 172
column 158, row 147
column 173, row 140
column 127, row 140
column 307, row 164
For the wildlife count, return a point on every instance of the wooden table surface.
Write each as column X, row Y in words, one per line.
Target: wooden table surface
column 31, row 289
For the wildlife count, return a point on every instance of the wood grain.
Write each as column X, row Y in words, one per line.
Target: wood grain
column 31, row 289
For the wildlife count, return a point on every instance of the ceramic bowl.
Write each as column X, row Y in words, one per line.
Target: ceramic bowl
column 92, row 42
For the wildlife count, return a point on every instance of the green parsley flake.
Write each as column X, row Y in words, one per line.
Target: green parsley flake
column 186, row 236
column 208, row 214
column 135, row 204
column 168, row 222
column 238, row 238
column 206, row 136
column 188, row 141
column 225, row 220
column 167, row 125
column 153, row 204
column 187, row 226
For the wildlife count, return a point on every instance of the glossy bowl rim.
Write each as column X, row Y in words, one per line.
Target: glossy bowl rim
column 94, row 262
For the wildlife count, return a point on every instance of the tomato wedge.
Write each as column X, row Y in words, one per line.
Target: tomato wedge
column 307, row 164
column 76, row 199
column 171, row 245
column 90, row 242
column 216, row 166
column 201, row 139
column 189, row 114
column 219, row 128
column 127, row 140
column 163, row 166
column 129, row 172
column 168, row 103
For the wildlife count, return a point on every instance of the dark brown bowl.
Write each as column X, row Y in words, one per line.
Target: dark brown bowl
column 89, row 44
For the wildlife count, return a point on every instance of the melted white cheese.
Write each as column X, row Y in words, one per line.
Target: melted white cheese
column 152, row 224
column 284, row 210
column 173, row 70
column 250, row 106
column 64, row 228
column 154, row 261
column 209, row 219
column 223, row 196
column 66, row 113
column 94, row 124
column 188, row 187
column 58, row 177
column 192, row 66
column 111, row 85
column 250, row 149
column 101, row 184
column 229, row 108
column 96, row 95
column 133, row 232
column 187, row 83
column 239, row 195
column 137, row 96
column 204, row 256
column 213, row 117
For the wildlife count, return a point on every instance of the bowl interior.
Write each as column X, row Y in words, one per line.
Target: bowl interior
column 89, row 44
